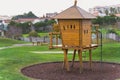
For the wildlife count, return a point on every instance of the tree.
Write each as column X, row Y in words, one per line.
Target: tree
column 41, row 26
column 25, row 15
column 106, row 12
column 98, row 20
column 25, row 27
column 118, row 9
column 14, row 30
column 12, row 23
column 50, row 22
column 106, row 20
column 30, row 15
column 113, row 11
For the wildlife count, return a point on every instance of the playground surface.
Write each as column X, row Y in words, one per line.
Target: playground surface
column 54, row 71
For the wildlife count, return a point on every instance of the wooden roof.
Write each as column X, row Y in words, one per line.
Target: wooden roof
column 74, row 12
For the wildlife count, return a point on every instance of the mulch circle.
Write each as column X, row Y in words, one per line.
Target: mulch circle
column 54, row 71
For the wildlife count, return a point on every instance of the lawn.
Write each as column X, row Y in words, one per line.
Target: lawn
column 41, row 34
column 13, row 59
column 9, row 42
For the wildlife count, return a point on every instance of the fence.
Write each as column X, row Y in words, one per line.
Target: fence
column 113, row 36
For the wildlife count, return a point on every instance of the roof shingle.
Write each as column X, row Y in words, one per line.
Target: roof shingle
column 74, row 12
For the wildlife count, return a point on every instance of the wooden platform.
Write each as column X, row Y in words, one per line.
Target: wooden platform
column 71, row 47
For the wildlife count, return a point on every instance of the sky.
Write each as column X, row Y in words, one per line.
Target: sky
column 41, row 7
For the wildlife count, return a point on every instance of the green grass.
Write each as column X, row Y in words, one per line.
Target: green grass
column 118, row 32
column 110, row 52
column 13, row 59
column 105, row 30
column 9, row 42
column 41, row 34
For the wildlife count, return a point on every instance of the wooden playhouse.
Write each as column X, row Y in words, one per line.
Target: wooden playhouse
column 75, row 31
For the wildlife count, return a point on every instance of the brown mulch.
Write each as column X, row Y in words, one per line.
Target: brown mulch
column 54, row 71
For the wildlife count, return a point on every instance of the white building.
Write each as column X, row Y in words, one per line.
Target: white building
column 5, row 17
column 105, row 10
column 51, row 14
column 3, row 28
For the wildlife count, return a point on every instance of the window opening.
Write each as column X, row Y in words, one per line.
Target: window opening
column 63, row 27
column 70, row 26
column 74, row 26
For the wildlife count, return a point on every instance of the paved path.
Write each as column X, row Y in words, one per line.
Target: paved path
column 15, row 45
column 38, row 52
column 54, row 52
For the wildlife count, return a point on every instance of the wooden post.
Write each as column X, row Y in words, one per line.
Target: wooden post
column 90, row 58
column 97, row 35
column 56, row 39
column 51, row 42
column 66, row 65
column 80, row 59
column 73, row 58
column 33, row 43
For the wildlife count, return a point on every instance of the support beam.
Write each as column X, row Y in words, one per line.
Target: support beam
column 66, row 64
column 56, row 39
column 51, row 41
column 90, row 58
column 80, row 60
column 73, row 58
column 97, row 34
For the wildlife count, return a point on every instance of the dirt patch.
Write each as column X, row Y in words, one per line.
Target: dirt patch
column 54, row 71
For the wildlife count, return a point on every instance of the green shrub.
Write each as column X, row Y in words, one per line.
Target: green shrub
column 112, row 31
column 33, row 34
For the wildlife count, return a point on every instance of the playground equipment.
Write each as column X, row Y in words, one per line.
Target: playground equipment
column 75, row 31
